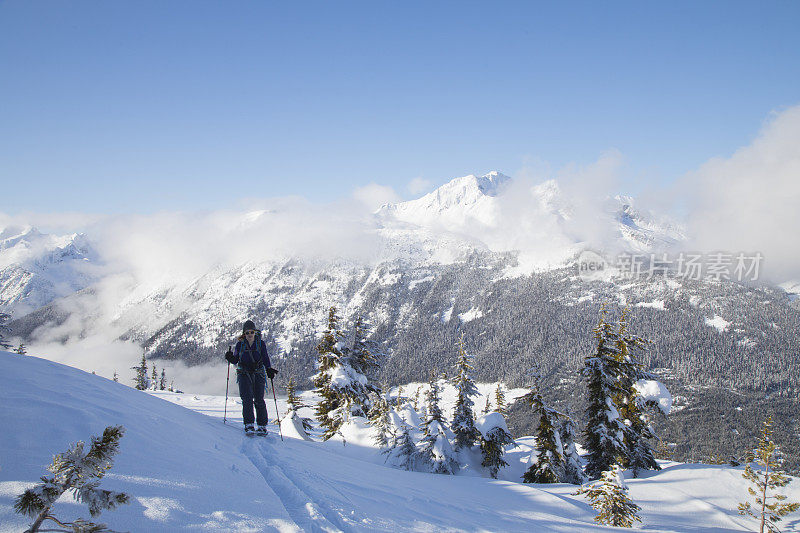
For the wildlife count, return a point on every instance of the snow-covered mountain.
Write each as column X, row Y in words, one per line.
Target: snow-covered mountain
column 36, row 268
column 185, row 471
column 473, row 256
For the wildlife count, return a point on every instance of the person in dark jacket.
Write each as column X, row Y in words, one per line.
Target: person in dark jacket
column 252, row 369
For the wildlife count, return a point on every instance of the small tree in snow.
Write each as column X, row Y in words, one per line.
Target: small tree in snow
column 140, row 378
column 494, row 436
column 639, row 452
column 380, row 421
column 549, row 464
column 363, row 356
column 328, row 409
column 4, row 318
column 162, row 383
column 79, row 473
column 487, row 407
column 770, row 509
column 115, row 377
column 500, row 400
column 435, row 449
column 404, row 452
column 295, row 404
column 463, row 416
column 605, row 430
column 154, row 378
column 21, row 350
column 610, row 497
column 573, row 469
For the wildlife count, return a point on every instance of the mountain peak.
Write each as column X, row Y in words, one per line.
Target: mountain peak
column 452, row 204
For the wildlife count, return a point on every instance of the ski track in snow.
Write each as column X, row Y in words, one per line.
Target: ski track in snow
column 306, row 510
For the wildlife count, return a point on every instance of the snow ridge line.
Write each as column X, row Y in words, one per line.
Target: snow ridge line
column 301, row 508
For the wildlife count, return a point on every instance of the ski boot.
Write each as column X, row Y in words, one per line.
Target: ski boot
column 261, row 431
column 249, row 431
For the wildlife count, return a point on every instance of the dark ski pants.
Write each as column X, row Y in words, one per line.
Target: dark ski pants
column 251, row 390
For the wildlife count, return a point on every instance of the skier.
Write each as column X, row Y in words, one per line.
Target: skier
column 252, row 369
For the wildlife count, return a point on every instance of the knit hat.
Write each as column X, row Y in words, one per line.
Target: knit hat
column 248, row 325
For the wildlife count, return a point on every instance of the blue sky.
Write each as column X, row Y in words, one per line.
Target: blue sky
column 126, row 107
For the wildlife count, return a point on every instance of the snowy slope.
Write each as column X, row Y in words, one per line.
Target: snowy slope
column 189, row 472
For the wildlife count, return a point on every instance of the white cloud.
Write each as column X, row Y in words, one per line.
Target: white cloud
column 750, row 202
column 372, row 196
column 418, row 186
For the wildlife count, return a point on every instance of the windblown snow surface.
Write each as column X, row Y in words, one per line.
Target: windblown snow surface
column 187, row 471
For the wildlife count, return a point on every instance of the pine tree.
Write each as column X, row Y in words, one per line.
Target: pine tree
column 328, row 410
column 360, row 359
column 463, row 416
column 115, row 378
column 171, row 386
column 500, row 400
column 295, row 404
column 605, row 430
column 549, row 464
column 487, row 406
column 81, row 474
column 162, row 383
column 380, row 421
column 435, row 449
column 154, row 378
column 610, row 497
column 140, row 379
column 4, row 318
column 573, row 470
column 404, row 452
column 21, row 350
column 770, row 508
column 494, row 436
column 639, row 453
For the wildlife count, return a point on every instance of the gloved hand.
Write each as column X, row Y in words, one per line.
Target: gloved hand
column 230, row 357
column 271, row 373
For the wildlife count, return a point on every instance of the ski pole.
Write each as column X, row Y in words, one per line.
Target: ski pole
column 227, row 381
column 277, row 414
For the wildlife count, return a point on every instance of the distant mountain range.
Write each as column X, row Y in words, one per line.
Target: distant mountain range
column 481, row 255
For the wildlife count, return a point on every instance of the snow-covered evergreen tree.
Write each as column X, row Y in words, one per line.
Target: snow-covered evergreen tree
column 463, row 415
column 328, row 410
column 435, row 449
column 344, row 388
column 487, row 407
column 404, row 454
column 639, row 452
column 79, row 473
column 605, row 429
column 363, row 359
column 380, row 421
column 162, row 383
column 140, row 379
column 295, row 404
column 4, row 318
column 573, row 469
column 21, row 350
column 115, row 377
column 548, row 466
column 610, row 497
column 494, row 436
column 154, row 378
column 500, row 400
column 765, row 479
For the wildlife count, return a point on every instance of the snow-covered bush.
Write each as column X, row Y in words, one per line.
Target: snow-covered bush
column 494, row 436
column 610, row 497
